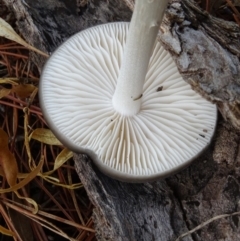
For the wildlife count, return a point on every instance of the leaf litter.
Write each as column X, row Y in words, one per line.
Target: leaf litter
column 38, row 180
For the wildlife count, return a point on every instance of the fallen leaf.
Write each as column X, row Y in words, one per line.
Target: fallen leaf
column 6, row 231
column 7, row 160
column 12, row 81
column 68, row 186
column 23, row 90
column 62, row 157
column 8, row 32
column 9, row 170
column 9, row 166
column 3, row 139
column 26, row 180
column 4, row 92
column 45, row 136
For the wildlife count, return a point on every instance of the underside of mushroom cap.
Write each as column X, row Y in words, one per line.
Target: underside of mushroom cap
column 174, row 124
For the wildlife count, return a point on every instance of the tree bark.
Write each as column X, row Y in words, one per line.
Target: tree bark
column 207, row 52
column 165, row 209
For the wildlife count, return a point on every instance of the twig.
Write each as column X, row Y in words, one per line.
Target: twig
column 206, row 223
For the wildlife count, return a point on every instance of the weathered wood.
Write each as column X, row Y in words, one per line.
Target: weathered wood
column 47, row 23
column 206, row 51
column 211, row 187
column 127, row 211
column 163, row 210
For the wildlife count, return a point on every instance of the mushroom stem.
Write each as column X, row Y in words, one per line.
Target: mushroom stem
column 145, row 22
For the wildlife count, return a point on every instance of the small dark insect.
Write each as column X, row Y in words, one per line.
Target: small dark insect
column 160, row 88
column 204, row 130
column 202, row 135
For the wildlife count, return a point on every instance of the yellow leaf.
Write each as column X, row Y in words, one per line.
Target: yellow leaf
column 12, row 81
column 7, row 231
column 8, row 32
column 7, row 160
column 45, row 136
column 72, row 186
column 23, row 90
column 4, row 92
column 62, row 157
column 25, row 181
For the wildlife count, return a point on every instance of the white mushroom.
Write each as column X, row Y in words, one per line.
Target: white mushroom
column 137, row 119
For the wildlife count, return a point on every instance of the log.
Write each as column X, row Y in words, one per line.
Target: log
column 46, row 24
column 165, row 209
column 206, row 50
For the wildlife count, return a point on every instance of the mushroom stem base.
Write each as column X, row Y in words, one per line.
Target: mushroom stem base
column 144, row 26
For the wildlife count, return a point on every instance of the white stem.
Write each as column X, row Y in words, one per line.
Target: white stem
column 142, row 34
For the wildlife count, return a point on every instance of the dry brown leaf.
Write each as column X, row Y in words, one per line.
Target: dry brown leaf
column 8, row 32
column 23, row 90
column 45, row 136
column 27, row 139
column 3, row 139
column 4, row 92
column 7, row 160
column 9, row 166
column 6, row 231
column 25, row 181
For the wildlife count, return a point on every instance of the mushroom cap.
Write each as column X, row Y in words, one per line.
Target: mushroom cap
column 173, row 127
